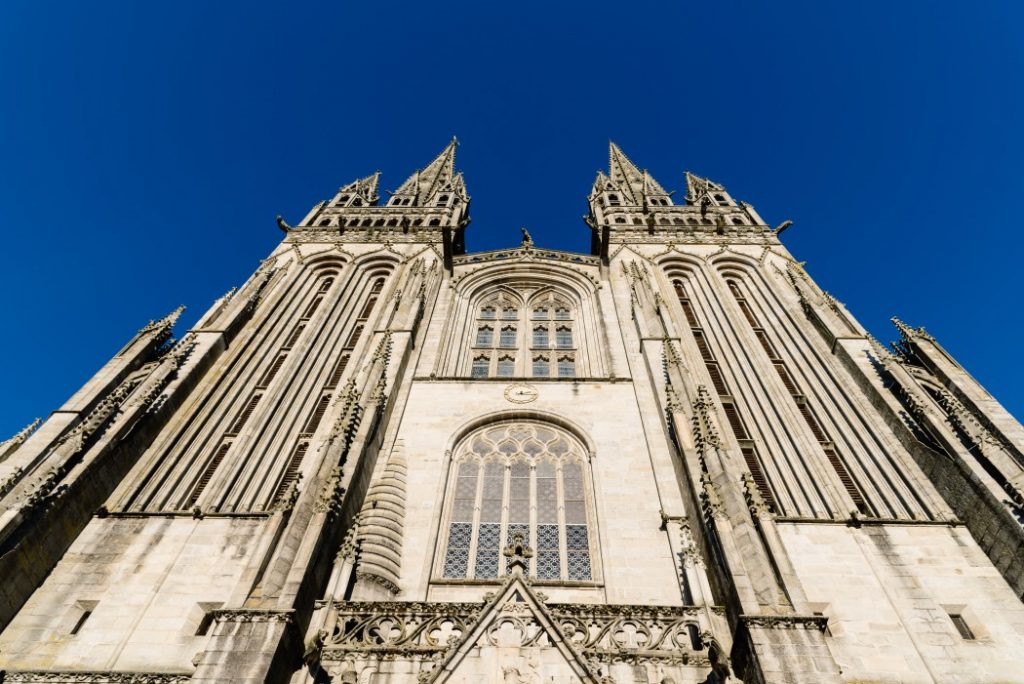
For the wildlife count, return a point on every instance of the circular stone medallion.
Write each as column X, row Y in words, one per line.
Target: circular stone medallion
column 521, row 393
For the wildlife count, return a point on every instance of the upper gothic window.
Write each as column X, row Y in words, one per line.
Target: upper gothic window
column 519, row 478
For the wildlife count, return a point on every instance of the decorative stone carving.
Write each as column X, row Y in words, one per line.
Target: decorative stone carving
column 52, row 677
column 704, row 434
column 809, row 622
column 382, row 522
column 252, row 615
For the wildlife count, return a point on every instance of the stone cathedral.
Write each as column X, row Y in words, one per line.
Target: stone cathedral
column 383, row 459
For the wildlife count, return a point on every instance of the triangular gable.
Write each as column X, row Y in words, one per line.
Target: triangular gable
column 515, row 619
column 422, row 185
column 696, row 187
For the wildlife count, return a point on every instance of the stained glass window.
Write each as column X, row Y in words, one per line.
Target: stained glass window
column 508, row 336
column 485, row 336
column 519, row 478
column 540, row 337
column 563, row 337
column 506, row 367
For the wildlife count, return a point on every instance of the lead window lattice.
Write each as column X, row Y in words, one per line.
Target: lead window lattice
column 526, row 478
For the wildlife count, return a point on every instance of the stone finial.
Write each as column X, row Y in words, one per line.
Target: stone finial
column 704, row 434
column 527, row 242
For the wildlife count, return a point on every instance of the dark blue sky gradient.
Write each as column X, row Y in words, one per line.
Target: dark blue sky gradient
column 146, row 147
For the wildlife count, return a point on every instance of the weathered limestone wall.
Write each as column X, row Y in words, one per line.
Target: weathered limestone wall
column 634, row 554
column 144, row 580
column 888, row 591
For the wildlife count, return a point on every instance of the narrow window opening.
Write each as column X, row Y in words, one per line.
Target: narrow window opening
column 80, row 623
column 961, row 626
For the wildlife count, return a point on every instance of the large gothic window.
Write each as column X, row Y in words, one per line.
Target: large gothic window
column 519, row 478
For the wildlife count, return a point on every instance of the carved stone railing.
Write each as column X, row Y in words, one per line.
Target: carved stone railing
column 526, row 253
column 425, row 632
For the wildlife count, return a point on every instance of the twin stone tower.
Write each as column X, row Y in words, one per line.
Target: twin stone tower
column 384, row 459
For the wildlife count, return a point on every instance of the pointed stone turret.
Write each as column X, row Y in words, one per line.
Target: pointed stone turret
column 638, row 187
column 362, row 192
column 706, row 192
column 423, row 187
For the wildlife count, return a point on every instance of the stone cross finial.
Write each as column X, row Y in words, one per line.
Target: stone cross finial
column 519, row 553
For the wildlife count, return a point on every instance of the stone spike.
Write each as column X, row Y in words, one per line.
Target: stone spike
column 163, row 324
column 364, row 187
column 697, row 187
column 634, row 182
column 422, row 184
column 25, row 432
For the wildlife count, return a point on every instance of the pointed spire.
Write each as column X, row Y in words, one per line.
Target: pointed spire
column 425, row 183
column 697, row 187
column 359, row 193
column 163, row 325
column 637, row 185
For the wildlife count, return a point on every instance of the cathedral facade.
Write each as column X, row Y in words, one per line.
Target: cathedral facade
column 384, row 459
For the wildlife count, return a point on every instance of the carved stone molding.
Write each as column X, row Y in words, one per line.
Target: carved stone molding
column 54, row 677
column 252, row 615
column 810, row 622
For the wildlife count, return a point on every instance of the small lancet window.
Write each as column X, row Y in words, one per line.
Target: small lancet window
column 508, row 336
column 540, row 313
column 485, row 336
column 540, row 337
column 566, row 367
column 563, row 337
column 509, row 313
column 562, row 314
column 487, row 312
column 541, row 367
column 506, row 367
column 481, row 367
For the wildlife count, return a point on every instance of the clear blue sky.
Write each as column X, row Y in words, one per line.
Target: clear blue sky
column 146, row 147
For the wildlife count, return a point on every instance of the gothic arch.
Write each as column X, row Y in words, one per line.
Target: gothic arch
column 536, row 415
column 518, row 474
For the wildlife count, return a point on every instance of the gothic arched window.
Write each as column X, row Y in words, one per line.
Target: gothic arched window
column 484, row 336
column 525, row 478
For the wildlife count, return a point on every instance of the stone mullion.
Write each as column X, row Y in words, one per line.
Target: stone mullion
column 288, row 568
column 841, row 502
column 784, row 453
column 235, row 387
column 563, row 542
column 273, row 440
column 769, row 394
column 442, row 357
column 218, row 403
column 203, row 354
column 875, row 457
column 707, row 471
column 474, row 537
column 172, row 479
column 905, row 467
column 843, row 423
column 263, row 475
column 762, row 520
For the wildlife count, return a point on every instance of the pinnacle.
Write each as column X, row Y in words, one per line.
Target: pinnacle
column 637, row 184
column 424, row 183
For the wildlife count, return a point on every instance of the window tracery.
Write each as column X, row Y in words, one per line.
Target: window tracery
column 519, row 478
